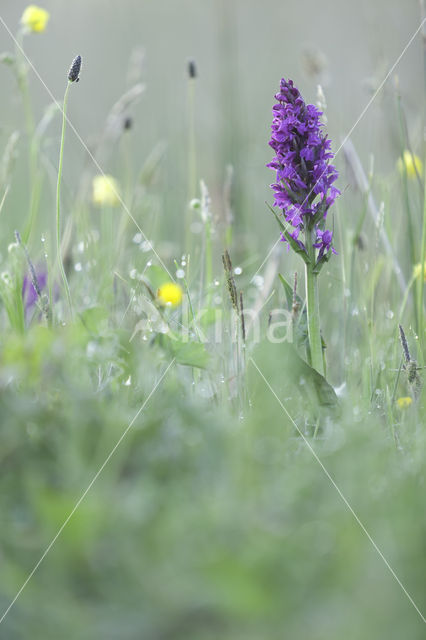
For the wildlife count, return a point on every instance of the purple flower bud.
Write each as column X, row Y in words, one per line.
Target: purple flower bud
column 304, row 176
column 29, row 292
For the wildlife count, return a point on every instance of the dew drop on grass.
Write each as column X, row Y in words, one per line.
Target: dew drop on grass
column 196, row 227
column 238, row 271
column 137, row 238
column 216, row 283
column 90, row 349
column 146, row 246
column 80, row 247
column 149, row 263
column 78, row 266
column 258, row 281
column 133, row 274
column 180, row 273
column 389, row 314
column 128, row 382
column 346, row 292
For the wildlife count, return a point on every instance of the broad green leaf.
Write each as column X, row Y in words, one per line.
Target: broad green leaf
column 191, row 354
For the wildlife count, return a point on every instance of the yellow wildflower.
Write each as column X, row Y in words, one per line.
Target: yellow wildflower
column 170, row 294
column 105, row 191
column 404, row 403
column 418, row 270
column 411, row 164
column 35, row 18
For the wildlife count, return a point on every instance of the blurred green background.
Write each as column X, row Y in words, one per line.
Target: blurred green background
column 242, row 49
column 204, row 525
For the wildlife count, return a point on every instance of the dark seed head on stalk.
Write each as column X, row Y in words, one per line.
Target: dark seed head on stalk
column 414, row 380
column 404, row 344
column 227, row 265
column 295, row 306
column 243, row 324
column 75, row 68
column 127, row 123
column 192, row 69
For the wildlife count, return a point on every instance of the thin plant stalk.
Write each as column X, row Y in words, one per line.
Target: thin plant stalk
column 420, row 283
column 34, row 173
column 411, row 224
column 420, row 289
column 312, row 306
column 192, row 158
column 208, row 262
column 58, row 204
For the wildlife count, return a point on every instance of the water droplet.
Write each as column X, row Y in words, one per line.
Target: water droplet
column 216, row 283
column 90, row 349
column 238, row 271
column 137, row 238
column 128, row 382
column 43, row 239
column 258, row 281
column 133, row 274
column 78, row 266
column 390, row 314
column 80, row 247
column 347, row 293
column 149, row 263
column 196, row 227
column 180, row 273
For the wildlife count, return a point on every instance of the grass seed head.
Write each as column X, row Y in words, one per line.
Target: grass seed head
column 75, row 68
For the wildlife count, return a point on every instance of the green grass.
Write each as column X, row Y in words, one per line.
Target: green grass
column 217, row 515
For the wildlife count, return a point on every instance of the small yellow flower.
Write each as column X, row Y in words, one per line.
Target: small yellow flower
column 418, row 270
column 35, row 19
column 170, row 294
column 411, row 164
column 105, row 191
column 404, row 403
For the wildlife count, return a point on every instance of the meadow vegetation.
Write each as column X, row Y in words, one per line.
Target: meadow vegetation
column 190, row 448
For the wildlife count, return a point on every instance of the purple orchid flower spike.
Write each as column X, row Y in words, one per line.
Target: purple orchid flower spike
column 304, row 191
column 304, row 188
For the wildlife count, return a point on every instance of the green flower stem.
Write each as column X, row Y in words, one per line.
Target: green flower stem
column 312, row 305
column 192, row 162
column 420, row 284
column 209, row 263
column 58, row 204
column 33, row 145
